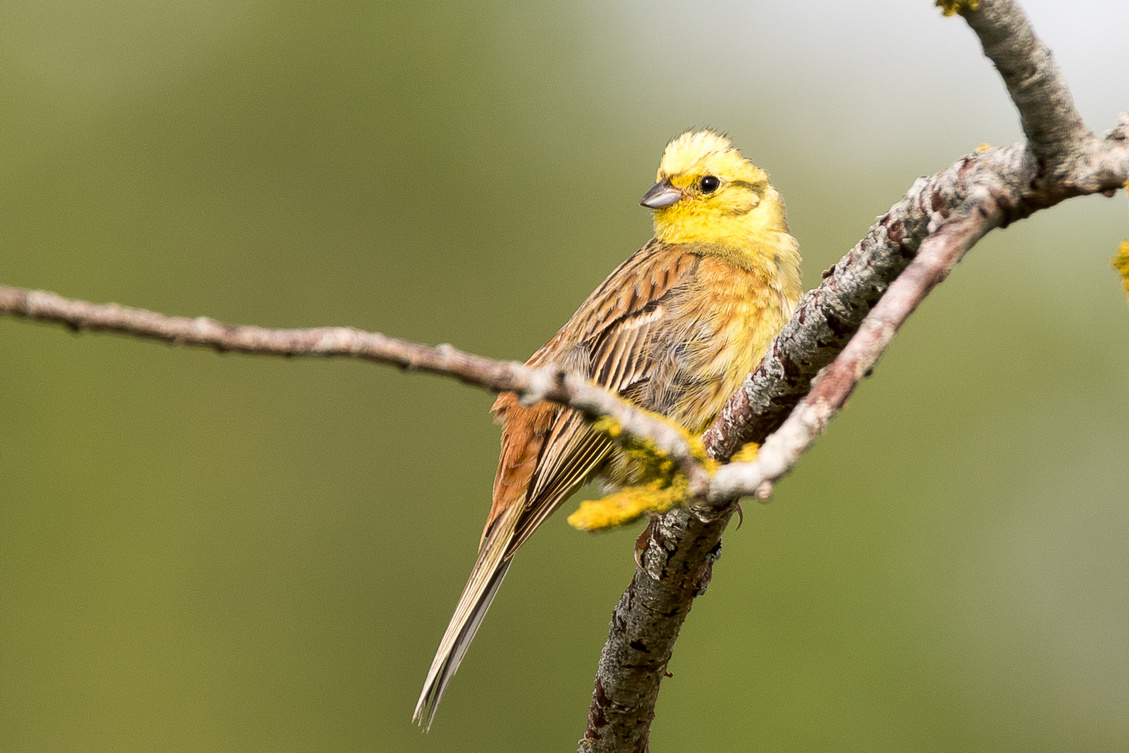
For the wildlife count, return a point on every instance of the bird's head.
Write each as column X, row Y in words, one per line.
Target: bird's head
column 707, row 194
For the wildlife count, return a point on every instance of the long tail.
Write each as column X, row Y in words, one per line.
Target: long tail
column 489, row 570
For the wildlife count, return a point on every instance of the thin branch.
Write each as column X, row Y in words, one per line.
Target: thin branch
column 532, row 384
column 1050, row 120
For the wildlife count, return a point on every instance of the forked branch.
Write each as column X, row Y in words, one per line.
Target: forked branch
column 841, row 328
column 862, row 301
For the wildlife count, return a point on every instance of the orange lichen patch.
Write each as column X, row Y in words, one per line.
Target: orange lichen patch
column 949, row 7
column 658, row 485
column 1121, row 264
column 747, row 453
column 629, row 504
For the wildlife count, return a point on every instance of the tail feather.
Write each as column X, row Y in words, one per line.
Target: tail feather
column 489, row 571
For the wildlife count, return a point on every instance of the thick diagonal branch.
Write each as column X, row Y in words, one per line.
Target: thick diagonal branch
column 985, row 190
column 938, row 254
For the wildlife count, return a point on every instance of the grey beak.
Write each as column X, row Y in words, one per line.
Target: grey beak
column 661, row 195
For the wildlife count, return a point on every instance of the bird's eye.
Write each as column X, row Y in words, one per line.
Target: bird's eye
column 709, row 184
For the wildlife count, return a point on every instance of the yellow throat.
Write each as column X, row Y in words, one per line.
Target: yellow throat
column 709, row 197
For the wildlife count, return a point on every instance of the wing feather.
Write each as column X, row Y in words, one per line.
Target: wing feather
column 611, row 336
column 548, row 451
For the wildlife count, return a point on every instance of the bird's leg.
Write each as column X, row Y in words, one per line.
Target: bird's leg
column 642, row 541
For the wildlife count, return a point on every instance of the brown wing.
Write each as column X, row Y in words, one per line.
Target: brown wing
column 548, row 451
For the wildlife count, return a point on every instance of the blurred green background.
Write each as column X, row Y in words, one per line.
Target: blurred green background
column 225, row 553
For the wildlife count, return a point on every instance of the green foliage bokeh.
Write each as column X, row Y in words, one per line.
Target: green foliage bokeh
column 227, row 553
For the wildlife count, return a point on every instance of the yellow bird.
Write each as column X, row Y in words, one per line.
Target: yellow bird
column 674, row 329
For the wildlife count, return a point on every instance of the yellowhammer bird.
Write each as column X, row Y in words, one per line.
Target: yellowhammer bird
column 674, row 329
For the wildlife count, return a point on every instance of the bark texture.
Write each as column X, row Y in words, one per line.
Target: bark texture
column 845, row 325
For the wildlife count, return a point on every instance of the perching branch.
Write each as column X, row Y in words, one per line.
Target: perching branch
column 531, row 384
column 934, row 226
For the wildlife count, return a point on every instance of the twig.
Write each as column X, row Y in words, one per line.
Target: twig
column 532, row 384
column 1051, row 122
